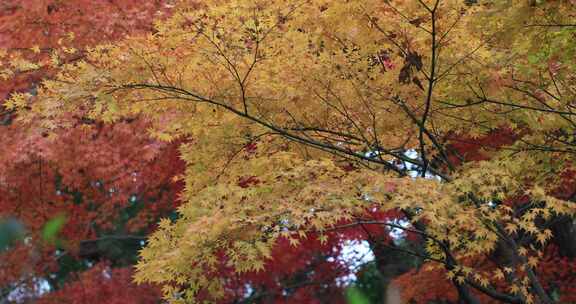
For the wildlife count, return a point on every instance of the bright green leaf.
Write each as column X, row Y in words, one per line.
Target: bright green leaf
column 52, row 228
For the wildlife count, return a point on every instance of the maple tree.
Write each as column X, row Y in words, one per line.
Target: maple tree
column 452, row 118
column 91, row 194
column 99, row 188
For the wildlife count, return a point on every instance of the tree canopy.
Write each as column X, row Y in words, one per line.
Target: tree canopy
column 299, row 120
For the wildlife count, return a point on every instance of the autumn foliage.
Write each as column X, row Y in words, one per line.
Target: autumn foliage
column 103, row 180
column 235, row 151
